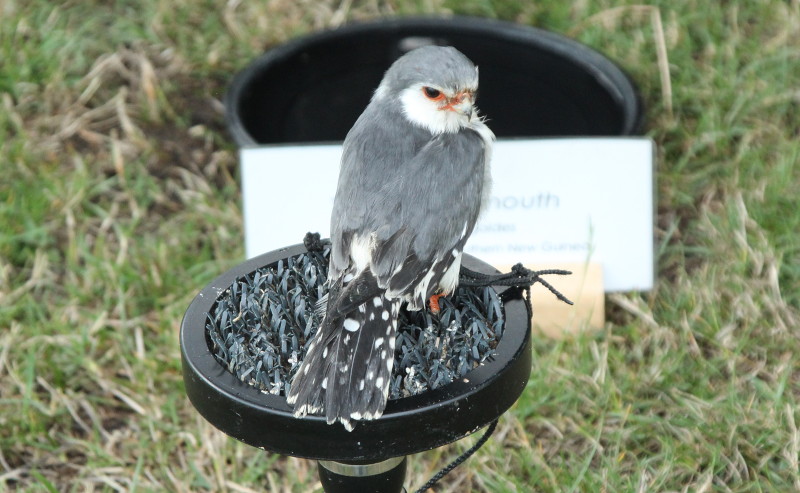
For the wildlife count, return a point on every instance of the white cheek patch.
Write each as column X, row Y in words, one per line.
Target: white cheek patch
column 426, row 113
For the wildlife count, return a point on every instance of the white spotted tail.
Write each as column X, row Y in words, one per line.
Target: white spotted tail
column 348, row 365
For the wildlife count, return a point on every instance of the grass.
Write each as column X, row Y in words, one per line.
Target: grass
column 119, row 200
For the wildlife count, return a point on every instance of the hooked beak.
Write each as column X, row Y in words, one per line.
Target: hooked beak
column 462, row 103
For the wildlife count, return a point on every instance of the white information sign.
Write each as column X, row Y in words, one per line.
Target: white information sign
column 553, row 200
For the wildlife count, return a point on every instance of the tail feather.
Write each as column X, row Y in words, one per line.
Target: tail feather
column 348, row 365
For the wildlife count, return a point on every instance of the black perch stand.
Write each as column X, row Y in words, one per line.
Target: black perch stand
column 533, row 84
column 371, row 458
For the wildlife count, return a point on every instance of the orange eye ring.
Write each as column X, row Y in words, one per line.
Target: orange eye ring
column 432, row 93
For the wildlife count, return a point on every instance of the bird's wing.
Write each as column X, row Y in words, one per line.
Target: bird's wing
column 409, row 212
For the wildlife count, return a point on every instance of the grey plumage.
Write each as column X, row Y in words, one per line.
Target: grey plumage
column 413, row 177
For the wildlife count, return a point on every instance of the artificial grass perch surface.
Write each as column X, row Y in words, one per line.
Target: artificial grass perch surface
column 260, row 325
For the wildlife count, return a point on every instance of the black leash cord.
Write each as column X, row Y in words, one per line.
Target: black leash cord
column 460, row 460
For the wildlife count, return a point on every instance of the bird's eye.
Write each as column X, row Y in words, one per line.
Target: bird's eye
column 433, row 94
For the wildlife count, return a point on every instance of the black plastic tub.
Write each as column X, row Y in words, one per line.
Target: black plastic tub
column 533, row 83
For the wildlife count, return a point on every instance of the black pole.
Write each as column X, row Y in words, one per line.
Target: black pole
column 380, row 477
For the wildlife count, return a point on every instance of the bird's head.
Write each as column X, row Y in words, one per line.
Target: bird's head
column 435, row 87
